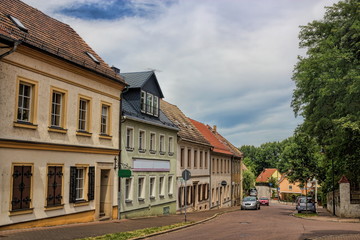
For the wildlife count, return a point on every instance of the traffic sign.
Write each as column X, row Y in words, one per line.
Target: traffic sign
column 186, row 174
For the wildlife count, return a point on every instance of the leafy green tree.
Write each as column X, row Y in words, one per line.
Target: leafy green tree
column 248, row 181
column 327, row 93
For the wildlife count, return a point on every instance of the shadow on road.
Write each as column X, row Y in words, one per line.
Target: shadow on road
column 321, row 233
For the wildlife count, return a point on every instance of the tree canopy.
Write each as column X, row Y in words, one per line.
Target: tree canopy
column 327, row 79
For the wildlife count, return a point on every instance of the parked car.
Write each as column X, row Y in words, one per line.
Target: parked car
column 253, row 192
column 305, row 204
column 264, row 201
column 250, row 203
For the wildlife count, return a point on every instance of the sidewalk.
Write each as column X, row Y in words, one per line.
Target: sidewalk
column 83, row 230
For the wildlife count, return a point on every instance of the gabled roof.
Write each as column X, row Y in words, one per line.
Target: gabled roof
column 188, row 131
column 236, row 152
column 213, row 140
column 139, row 79
column 49, row 35
column 265, row 174
column 131, row 112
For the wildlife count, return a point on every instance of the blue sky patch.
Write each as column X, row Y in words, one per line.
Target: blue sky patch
column 116, row 9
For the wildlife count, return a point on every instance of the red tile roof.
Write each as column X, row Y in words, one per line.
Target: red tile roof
column 236, row 152
column 49, row 35
column 265, row 174
column 206, row 131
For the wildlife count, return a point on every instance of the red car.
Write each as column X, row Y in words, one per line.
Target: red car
column 264, row 201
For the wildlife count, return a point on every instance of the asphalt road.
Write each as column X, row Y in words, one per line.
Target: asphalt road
column 273, row 222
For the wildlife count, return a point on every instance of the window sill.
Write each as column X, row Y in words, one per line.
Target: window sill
column 162, row 153
column 152, row 151
column 171, row 154
column 50, row 208
column 128, row 201
column 21, row 212
column 83, row 134
column 170, row 194
column 142, row 150
column 141, row 199
column 82, row 203
column 25, row 125
column 104, row 136
column 57, row 129
column 129, row 149
column 161, row 196
column 152, row 197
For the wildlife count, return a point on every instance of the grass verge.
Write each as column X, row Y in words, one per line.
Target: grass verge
column 305, row 214
column 137, row 233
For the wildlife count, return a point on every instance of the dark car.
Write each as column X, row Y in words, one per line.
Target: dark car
column 250, row 203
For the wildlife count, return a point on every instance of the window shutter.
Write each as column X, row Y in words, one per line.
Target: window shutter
column 72, row 187
column 91, row 190
column 51, row 180
column 58, row 185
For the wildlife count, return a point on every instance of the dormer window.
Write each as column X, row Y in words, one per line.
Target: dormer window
column 149, row 103
column 18, row 23
column 93, row 57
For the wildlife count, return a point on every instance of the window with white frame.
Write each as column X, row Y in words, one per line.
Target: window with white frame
column 142, row 141
column 129, row 139
column 201, row 160
column 152, row 187
column 57, row 109
column 84, row 114
column 156, row 106
column 149, row 103
column 161, row 186
column 26, row 101
column 171, row 145
column 162, row 144
column 105, row 120
column 152, row 143
column 128, row 189
column 170, row 185
column 141, row 187
column 143, row 101
column 80, row 178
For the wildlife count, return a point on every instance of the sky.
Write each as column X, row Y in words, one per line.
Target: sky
column 227, row 63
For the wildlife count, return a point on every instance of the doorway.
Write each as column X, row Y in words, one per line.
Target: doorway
column 105, row 201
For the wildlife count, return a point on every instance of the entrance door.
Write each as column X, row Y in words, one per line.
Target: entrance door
column 104, row 193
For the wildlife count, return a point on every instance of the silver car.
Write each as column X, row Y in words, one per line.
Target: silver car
column 250, row 203
column 305, row 204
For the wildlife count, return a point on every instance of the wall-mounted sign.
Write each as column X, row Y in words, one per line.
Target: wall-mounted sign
column 124, row 173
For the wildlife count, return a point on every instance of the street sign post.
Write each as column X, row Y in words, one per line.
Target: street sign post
column 186, row 175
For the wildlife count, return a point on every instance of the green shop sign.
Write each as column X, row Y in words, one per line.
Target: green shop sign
column 124, row 173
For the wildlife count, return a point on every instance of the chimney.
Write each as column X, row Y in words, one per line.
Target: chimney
column 116, row 70
column 214, row 128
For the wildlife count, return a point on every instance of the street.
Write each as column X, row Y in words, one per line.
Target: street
column 273, row 222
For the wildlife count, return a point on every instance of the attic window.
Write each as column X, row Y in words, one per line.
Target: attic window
column 18, row 23
column 93, row 57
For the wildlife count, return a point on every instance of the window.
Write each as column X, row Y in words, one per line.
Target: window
column 93, row 57
column 84, row 114
column 152, row 143
column 105, row 119
column 170, row 185
column 152, row 187
column 82, row 184
column 129, row 139
column 162, row 144
column 213, row 166
column 56, row 109
column 149, row 103
column 18, row 23
column 206, row 160
column 290, row 187
column 21, row 187
column 156, row 106
column 195, row 159
column 171, row 145
column 128, row 187
column 189, row 158
column 142, row 141
column 201, row 159
column 182, row 158
column 26, row 103
column 161, row 186
column 54, row 186
column 142, row 101
column 141, row 188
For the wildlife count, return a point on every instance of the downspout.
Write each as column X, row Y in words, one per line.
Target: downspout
column 119, row 156
column 16, row 43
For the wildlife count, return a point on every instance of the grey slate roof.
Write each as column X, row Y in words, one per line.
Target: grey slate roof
column 131, row 111
column 137, row 79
